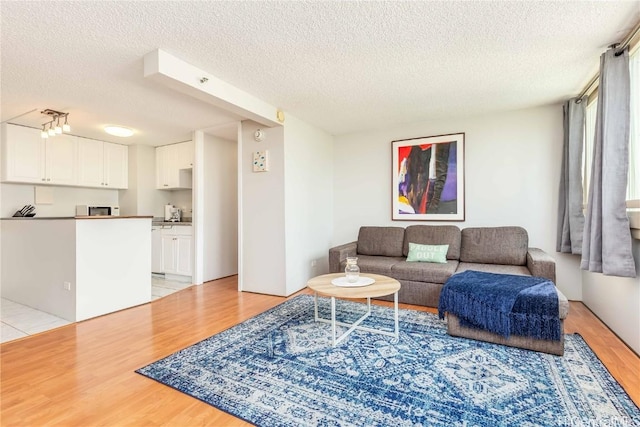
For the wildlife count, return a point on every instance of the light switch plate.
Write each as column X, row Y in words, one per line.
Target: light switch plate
column 261, row 161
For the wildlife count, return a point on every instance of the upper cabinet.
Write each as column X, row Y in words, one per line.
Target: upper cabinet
column 30, row 159
column 91, row 170
column 174, row 166
column 62, row 160
column 116, row 165
column 103, row 164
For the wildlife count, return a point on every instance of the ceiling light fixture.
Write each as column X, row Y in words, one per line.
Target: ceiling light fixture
column 55, row 118
column 65, row 126
column 118, row 131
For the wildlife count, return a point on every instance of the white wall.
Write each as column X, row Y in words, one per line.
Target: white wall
column 37, row 258
column 142, row 197
column 106, row 262
column 616, row 301
column 113, row 262
column 511, row 178
column 65, row 199
column 182, row 198
column 128, row 199
column 262, row 265
column 220, row 208
column 308, row 201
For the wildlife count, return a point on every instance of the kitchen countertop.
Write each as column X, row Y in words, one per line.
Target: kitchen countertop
column 75, row 217
column 113, row 217
column 170, row 223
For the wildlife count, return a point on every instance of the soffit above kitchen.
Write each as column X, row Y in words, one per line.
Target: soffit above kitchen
column 341, row 66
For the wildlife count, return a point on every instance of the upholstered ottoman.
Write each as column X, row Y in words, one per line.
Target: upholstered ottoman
column 456, row 327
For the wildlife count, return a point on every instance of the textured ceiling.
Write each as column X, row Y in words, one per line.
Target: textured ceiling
column 341, row 66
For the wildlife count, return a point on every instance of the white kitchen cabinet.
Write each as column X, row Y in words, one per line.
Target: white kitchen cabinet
column 156, row 250
column 174, row 166
column 169, row 254
column 61, row 160
column 103, row 164
column 28, row 158
column 184, row 258
column 177, row 249
column 22, row 154
column 116, row 165
column 91, row 164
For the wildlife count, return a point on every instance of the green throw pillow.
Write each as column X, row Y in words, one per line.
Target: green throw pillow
column 427, row 253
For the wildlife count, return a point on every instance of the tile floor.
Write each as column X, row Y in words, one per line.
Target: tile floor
column 161, row 287
column 17, row 320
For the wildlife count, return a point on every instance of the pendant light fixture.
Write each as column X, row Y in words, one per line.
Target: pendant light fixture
column 65, row 126
column 54, row 124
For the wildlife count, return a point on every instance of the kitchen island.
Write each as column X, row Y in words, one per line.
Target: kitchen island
column 76, row 267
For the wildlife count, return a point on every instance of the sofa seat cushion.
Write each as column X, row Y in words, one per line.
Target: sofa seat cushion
column 423, row 271
column 382, row 241
column 494, row 245
column 375, row 264
column 519, row 270
column 433, row 235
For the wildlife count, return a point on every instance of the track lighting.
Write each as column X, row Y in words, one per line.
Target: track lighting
column 65, row 126
column 55, row 118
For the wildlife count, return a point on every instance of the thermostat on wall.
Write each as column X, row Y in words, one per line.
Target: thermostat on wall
column 261, row 161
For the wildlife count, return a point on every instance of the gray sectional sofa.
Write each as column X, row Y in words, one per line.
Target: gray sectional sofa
column 384, row 250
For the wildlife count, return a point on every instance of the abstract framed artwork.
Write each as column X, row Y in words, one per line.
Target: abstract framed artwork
column 428, row 178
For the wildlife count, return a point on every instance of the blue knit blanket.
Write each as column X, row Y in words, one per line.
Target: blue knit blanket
column 504, row 304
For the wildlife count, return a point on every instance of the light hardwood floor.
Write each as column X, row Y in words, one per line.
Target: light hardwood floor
column 83, row 374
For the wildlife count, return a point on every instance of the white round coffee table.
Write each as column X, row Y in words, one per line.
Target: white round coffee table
column 382, row 286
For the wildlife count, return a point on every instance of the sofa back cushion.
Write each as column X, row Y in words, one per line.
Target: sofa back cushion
column 382, row 241
column 433, row 235
column 495, row 245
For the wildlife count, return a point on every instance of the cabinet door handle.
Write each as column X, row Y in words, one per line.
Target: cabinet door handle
column 166, row 185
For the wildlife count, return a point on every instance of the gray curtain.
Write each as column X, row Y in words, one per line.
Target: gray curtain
column 570, row 217
column 606, row 246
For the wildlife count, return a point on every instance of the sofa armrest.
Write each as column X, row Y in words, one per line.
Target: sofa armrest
column 541, row 264
column 339, row 254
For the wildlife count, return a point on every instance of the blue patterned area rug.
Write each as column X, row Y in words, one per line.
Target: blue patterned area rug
column 279, row 369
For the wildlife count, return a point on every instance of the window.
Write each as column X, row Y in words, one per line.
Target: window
column 633, row 184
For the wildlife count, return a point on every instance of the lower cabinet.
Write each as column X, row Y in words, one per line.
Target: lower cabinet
column 177, row 250
column 156, row 250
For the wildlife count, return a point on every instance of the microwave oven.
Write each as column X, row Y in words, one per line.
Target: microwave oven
column 84, row 210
